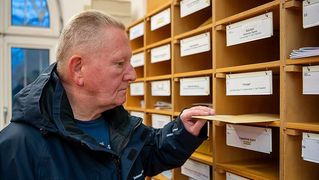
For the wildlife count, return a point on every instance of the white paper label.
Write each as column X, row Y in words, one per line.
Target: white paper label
column 190, row 6
column 137, row 31
column 247, row 137
column 199, row 86
column 254, row 83
column 161, row 88
column 161, row 19
column 162, row 53
column 231, row 176
column 252, row 29
column 195, row 44
column 310, row 77
column 310, row 13
column 137, row 60
column 196, row 170
column 137, row 89
column 310, row 147
column 137, row 114
column 159, row 121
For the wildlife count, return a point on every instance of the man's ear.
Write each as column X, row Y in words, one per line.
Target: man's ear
column 76, row 69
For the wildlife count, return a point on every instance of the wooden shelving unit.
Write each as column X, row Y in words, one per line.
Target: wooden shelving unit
column 298, row 113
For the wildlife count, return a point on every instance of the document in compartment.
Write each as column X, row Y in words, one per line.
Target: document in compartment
column 161, row 88
column 196, row 170
column 137, row 60
column 137, row 114
column 162, row 53
column 159, row 121
column 252, row 83
column 252, row 29
column 310, row 80
column 191, row 6
column 310, row 16
column 137, row 31
column 161, row 19
column 199, row 86
column 310, row 147
column 248, row 137
column 196, row 44
column 137, row 89
column 231, row 176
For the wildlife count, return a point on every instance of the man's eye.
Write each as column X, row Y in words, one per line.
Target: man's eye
column 120, row 64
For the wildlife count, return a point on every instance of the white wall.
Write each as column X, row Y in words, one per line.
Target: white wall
column 71, row 7
column 138, row 9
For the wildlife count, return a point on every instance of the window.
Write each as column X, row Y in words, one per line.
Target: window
column 29, row 32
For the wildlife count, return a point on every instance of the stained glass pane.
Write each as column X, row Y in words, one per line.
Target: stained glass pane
column 26, row 65
column 33, row 13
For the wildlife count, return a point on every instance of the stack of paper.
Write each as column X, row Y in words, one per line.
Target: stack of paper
column 304, row 52
column 163, row 105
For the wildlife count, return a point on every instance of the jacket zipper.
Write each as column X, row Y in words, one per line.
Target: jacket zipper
column 117, row 162
column 129, row 137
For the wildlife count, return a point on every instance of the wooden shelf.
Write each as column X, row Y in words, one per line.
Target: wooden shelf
column 160, row 111
column 303, row 61
column 202, row 158
column 159, row 43
column 138, row 50
column 273, row 65
column 155, row 78
column 159, row 9
column 193, row 73
column 130, row 108
column 206, row 28
column 253, row 169
column 305, row 126
column 249, row 13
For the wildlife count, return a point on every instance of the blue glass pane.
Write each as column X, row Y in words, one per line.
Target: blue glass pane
column 33, row 13
column 26, row 66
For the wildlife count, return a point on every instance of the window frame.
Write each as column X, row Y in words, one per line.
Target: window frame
column 21, row 42
column 53, row 31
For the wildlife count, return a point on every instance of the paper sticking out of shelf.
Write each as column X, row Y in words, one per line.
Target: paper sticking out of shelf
column 162, row 53
column 137, row 89
column 304, row 52
column 252, row 83
column 231, row 176
column 161, row 19
column 252, row 29
column 196, row 170
column 310, row 147
column 195, row 44
column 191, row 6
column 310, row 80
column 137, row 60
column 159, row 121
column 249, row 137
column 137, row 31
column 244, row 118
column 310, row 11
column 199, row 86
column 161, row 88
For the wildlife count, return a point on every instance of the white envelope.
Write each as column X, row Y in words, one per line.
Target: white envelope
column 310, row 13
column 162, row 53
column 161, row 88
column 253, row 83
column 248, row 137
column 191, row 6
column 137, row 31
column 161, row 19
column 137, row 60
column 231, row 176
column 199, row 86
column 252, row 29
column 195, row 44
column 137, row 89
column 159, row 121
column 196, row 170
column 310, row 147
column 310, row 80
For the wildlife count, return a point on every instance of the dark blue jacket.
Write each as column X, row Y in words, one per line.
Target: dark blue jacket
column 43, row 142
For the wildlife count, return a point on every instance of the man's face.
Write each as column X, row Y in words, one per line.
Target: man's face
column 108, row 71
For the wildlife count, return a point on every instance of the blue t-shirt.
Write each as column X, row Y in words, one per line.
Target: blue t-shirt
column 98, row 129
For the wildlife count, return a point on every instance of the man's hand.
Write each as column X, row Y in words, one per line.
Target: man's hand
column 194, row 126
